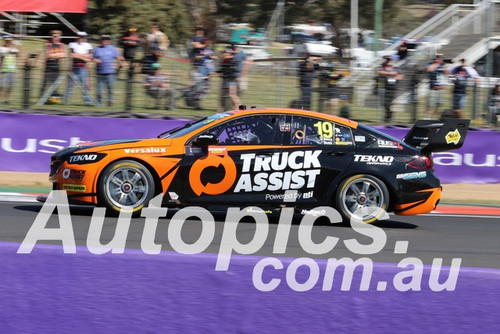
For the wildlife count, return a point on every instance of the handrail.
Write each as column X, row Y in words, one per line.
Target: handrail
column 423, row 29
column 428, row 26
column 454, row 28
column 444, row 15
column 451, row 30
column 431, row 24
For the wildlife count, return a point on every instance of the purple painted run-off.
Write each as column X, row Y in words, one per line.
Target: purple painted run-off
column 51, row 292
column 27, row 141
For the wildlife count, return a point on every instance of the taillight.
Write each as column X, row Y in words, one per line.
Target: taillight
column 421, row 162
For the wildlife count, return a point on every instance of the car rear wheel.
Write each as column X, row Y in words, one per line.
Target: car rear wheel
column 126, row 185
column 364, row 197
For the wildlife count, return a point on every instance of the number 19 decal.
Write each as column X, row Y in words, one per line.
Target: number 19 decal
column 325, row 129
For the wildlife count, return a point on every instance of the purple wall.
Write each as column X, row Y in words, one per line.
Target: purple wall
column 477, row 161
column 51, row 292
column 36, row 137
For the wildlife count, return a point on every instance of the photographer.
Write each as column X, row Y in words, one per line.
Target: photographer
column 494, row 105
column 437, row 72
column 461, row 75
column 390, row 76
column 229, row 85
column 329, row 78
column 307, row 68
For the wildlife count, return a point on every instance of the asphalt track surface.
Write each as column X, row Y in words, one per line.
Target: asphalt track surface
column 473, row 238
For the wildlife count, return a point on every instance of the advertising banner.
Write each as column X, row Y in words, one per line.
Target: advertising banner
column 28, row 141
column 477, row 161
column 61, row 6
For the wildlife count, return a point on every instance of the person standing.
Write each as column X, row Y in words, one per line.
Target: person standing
column 81, row 54
column 494, row 105
column 130, row 42
column 437, row 72
column 307, row 69
column 105, row 55
column 328, row 84
column 8, row 55
column 54, row 52
column 229, row 85
column 390, row 76
column 403, row 50
column 462, row 73
column 208, row 58
column 201, row 75
column 197, row 45
column 243, row 63
column 156, row 40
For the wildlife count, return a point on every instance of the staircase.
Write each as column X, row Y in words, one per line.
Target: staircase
column 459, row 39
column 459, row 43
column 459, row 31
column 432, row 27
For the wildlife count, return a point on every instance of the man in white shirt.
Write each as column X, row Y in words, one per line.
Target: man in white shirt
column 81, row 53
column 156, row 40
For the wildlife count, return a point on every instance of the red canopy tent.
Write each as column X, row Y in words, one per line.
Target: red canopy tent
column 48, row 6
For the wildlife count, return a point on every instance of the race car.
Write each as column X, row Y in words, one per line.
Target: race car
column 269, row 158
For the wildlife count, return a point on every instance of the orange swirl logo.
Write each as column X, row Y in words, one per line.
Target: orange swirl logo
column 212, row 160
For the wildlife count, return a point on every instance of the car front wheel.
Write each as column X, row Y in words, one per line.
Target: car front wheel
column 126, row 185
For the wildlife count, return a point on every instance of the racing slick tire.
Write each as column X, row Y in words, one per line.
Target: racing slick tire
column 126, row 185
column 360, row 192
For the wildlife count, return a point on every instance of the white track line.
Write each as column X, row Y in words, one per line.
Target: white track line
column 460, row 216
column 17, row 197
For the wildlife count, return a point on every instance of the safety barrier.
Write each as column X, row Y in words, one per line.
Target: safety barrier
column 27, row 141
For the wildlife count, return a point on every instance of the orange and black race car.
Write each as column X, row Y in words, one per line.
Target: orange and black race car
column 271, row 158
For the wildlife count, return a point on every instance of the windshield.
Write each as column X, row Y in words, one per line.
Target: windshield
column 190, row 127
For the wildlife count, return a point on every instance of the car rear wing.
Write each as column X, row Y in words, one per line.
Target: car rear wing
column 438, row 136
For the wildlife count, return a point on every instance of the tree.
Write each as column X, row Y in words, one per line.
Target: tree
column 114, row 16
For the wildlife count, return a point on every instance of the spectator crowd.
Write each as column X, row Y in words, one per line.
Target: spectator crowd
column 94, row 70
column 140, row 53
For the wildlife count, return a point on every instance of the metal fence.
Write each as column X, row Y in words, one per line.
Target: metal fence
column 270, row 83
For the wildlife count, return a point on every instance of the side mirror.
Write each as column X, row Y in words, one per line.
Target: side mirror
column 205, row 140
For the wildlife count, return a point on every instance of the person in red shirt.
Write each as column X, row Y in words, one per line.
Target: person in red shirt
column 130, row 42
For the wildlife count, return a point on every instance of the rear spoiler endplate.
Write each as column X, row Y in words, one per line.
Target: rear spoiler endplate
column 438, row 136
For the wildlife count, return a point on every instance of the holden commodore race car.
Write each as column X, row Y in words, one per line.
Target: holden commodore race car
column 270, row 158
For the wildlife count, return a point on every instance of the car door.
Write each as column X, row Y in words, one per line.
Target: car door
column 235, row 170
column 324, row 150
